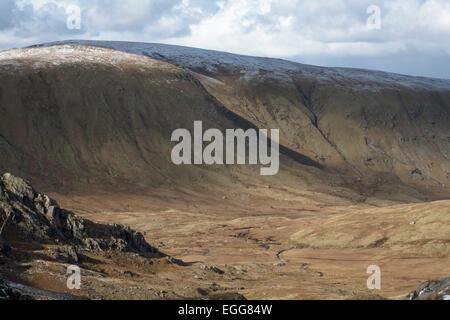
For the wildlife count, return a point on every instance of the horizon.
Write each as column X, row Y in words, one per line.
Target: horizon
column 408, row 37
column 233, row 53
column 225, row 157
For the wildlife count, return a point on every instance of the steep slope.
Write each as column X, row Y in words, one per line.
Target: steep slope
column 92, row 126
column 370, row 124
column 88, row 114
column 34, row 217
column 40, row 242
column 79, row 116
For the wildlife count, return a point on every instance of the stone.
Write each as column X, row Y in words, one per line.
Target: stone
column 431, row 290
column 66, row 254
column 213, row 269
column 39, row 218
column 9, row 293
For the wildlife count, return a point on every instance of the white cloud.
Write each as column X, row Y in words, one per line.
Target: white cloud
column 314, row 27
column 332, row 29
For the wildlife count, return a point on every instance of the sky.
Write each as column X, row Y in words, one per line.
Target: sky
column 402, row 36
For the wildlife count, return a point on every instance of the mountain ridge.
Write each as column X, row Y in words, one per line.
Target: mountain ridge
column 91, row 127
column 194, row 58
column 362, row 127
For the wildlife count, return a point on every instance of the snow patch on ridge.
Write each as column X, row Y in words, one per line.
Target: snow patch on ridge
column 214, row 63
column 43, row 56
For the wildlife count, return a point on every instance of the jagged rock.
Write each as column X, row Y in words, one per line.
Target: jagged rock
column 39, row 218
column 172, row 260
column 4, row 247
column 9, row 293
column 214, row 287
column 66, row 254
column 431, row 290
column 162, row 294
column 213, row 269
column 228, row 296
column 128, row 273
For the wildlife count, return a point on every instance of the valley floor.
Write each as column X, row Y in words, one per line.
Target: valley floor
column 267, row 243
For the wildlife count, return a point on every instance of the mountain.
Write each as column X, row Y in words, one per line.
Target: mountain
column 364, row 123
column 82, row 115
column 363, row 178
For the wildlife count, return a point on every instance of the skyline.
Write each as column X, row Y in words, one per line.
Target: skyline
column 406, row 36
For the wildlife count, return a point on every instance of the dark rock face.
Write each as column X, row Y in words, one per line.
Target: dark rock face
column 39, row 218
column 213, row 269
column 66, row 254
column 364, row 121
column 4, row 248
column 9, row 293
column 431, row 290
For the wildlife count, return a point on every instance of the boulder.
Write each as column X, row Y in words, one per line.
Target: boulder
column 66, row 254
column 9, row 293
column 431, row 290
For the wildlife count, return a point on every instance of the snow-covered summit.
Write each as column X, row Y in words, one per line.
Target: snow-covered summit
column 70, row 54
column 216, row 62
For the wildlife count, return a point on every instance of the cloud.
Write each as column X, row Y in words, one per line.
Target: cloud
column 333, row 28
column 6, row 9
column 330, row 30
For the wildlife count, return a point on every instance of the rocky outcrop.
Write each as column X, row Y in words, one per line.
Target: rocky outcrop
column 7, row 292
column 36, row 217
column 4, row 248
column 431, row 290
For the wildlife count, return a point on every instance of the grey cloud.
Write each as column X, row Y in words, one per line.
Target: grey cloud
column 149, row 16
column 7, row 10
column 27, row 22
column 99, row 16
column 47, row 20
column 321, row 32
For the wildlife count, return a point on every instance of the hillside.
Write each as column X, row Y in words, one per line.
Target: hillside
column 99, row 116
column 364, row 172
column 363, row 123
